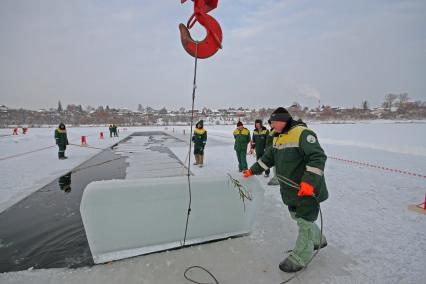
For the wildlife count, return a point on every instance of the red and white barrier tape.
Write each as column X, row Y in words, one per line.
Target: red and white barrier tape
column 378, row 167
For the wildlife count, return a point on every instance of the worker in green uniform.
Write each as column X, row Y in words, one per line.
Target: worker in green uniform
column 242, row 139
column 299, row 161
column 199, row 138
column 259, row 138
column 61, row 140
column 110, row 128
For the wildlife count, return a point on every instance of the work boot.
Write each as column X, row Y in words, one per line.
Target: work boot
column 287, row 265
column 201, row 160
column 267, row 172
column 323, row 245
column 304, row 248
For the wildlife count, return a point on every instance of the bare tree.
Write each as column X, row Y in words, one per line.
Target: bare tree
column 389, row 100
column 163, row 111
column 60, row 109
column 403, row 99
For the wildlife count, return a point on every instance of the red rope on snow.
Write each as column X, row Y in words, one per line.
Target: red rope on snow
column 41, row 149
column 29, row 152
column 379, row 167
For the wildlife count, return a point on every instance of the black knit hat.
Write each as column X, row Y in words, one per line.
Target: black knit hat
column 280, row 114
column 239, row 123
column 200, row 123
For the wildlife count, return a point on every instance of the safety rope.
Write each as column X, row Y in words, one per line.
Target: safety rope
column 404, row 172
column 202, row 268
column 194, row 86
column 25, row 153
column 41, row 149
column 86, row 146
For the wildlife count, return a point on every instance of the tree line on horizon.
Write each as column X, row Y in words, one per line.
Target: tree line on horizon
column 394, row 106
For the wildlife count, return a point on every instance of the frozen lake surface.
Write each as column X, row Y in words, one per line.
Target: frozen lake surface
column 373, row 237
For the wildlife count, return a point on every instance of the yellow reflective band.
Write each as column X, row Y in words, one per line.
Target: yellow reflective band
column 245, row 132
column 199, row 131
column 292, row 136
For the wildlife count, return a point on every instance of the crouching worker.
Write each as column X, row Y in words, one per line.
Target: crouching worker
column 61, row 140
column 200, row 139
column 299, row 161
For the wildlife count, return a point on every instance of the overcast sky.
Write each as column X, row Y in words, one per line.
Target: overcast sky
column 122, row 53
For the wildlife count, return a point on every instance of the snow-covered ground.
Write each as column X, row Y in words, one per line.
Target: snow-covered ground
column 373, row 237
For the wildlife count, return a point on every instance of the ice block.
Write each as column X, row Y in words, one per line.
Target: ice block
column 125, row 218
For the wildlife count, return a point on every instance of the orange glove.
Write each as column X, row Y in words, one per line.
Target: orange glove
column 248, row 173
column 305, row 189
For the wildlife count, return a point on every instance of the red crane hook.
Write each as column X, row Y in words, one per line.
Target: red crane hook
column 213, row 41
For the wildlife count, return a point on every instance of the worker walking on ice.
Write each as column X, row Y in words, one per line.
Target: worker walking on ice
column 242, row 139
column 260, row 135
column 299, row 161
column 61, row 140
column 199, row 138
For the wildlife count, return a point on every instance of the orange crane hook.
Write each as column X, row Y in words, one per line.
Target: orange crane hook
column 213, row 41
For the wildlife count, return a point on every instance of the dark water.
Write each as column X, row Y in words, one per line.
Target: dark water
column 45, row 229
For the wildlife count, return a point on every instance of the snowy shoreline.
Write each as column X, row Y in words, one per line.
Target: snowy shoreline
column 183, row 124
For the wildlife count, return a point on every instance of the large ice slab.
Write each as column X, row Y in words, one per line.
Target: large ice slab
column 125, row 218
